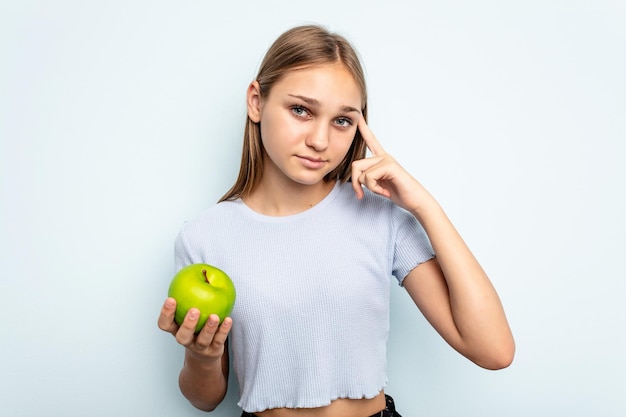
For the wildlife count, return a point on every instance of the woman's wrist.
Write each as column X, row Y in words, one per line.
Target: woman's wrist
column 428, row 208
column 201, row 362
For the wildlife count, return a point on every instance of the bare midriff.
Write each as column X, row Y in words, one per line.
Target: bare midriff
column 344, row 407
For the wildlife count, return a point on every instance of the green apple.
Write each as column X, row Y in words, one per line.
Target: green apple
column 204, row 287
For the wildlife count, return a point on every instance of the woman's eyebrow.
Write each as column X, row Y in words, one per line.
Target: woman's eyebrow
column 315, row 103
column 308, row 100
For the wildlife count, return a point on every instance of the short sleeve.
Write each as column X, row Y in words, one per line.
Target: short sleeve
column 411, row 247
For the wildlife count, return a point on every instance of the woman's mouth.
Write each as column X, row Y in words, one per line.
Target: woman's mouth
column 311, row 162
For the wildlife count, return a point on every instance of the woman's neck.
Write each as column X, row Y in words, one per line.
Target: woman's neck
column 278, row 198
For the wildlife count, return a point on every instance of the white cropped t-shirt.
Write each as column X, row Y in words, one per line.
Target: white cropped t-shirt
column 311, row 319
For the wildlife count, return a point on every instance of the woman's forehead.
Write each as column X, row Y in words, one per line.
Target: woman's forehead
column 322, row 84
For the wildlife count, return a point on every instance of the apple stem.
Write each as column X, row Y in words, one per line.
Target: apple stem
column 205, row 277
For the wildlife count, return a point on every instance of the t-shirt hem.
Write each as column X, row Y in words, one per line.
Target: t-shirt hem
column 310, row 404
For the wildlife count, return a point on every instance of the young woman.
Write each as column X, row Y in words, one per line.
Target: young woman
column 311, row 234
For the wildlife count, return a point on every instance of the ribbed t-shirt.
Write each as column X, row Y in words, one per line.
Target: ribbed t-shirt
column 311, row 318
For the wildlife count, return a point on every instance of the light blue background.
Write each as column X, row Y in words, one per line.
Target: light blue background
column 121, row 119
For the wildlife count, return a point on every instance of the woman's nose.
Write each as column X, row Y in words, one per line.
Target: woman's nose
column 317, row 137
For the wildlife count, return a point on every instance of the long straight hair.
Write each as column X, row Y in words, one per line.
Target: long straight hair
column 298, row 48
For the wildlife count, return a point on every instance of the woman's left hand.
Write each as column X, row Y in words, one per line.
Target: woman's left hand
column 382, row 175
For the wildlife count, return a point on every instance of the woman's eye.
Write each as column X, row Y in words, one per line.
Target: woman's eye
column 344, row 122
column 299, row 111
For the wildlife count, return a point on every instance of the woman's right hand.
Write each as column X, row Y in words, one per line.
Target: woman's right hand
column 209, row 344
column 206, row 356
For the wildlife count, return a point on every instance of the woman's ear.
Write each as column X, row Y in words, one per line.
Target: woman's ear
column 254, row 101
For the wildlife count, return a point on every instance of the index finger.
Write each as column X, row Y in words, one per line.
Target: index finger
column 369, row 138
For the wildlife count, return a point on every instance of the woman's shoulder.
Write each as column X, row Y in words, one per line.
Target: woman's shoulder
column 211, row 218
column 372, row 207
column 218, row 210
column 370, row 200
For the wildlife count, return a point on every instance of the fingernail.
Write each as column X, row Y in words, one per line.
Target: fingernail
column 193, row 314
column 213, row 320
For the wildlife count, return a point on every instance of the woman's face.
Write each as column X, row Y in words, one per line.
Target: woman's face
column 307, row 122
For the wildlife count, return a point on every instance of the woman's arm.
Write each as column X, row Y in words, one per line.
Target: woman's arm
column 456, row 296
column 452, row 290
column 203, row 380
column 204, row 384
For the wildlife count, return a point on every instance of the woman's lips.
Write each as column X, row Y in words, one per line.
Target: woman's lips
column 311, row 162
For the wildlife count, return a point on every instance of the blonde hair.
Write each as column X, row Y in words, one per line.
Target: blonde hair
column 297, row 48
